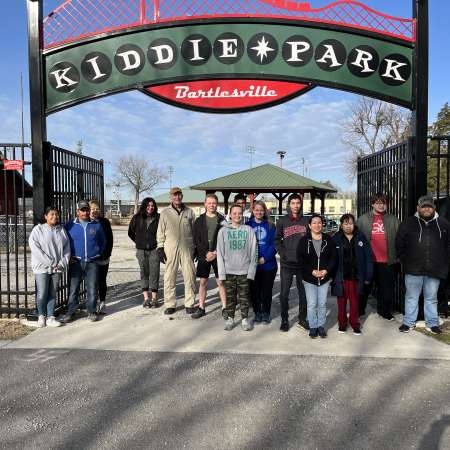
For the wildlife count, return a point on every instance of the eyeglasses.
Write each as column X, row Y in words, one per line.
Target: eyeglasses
column 379, row 202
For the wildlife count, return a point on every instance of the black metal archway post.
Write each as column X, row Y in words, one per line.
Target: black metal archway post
column 40, row 146
column 420, row 99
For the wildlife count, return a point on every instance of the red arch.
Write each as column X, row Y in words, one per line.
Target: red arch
column 77, row 19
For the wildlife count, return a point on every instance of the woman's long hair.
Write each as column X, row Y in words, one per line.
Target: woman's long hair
column 266, row 216
column 144, row 204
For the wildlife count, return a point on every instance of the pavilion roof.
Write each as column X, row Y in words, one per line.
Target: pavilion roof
column 268, row 178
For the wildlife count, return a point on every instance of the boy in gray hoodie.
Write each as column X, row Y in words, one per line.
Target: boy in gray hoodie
column 236, row 262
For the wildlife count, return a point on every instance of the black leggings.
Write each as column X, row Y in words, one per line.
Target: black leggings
column 102, row 288
column 261, row 290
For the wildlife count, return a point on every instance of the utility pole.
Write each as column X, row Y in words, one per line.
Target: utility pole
column 250, row 149
column 281, row 154
column 171, row 170
column 303, row 166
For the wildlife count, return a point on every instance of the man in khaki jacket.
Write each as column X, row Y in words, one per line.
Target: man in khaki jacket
column 176, row 248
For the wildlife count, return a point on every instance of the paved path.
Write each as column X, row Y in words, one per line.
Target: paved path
column 103, row 400
column 129, row 327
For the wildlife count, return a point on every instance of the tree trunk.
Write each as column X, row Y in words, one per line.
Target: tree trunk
column 136, row 201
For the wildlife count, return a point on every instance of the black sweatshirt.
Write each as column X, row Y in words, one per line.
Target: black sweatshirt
column 310, row 261
column 289, row 232
column 142, row 235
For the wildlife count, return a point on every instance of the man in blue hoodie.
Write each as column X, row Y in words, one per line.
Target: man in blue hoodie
column 87, row 243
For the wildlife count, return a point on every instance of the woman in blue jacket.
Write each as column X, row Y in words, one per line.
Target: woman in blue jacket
column 354, row 271
column 261, row 287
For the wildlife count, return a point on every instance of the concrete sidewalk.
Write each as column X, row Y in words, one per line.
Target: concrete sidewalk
column 129, row 327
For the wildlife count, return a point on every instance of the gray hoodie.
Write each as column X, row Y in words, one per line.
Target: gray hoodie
column 236, row 251
column 50, row 248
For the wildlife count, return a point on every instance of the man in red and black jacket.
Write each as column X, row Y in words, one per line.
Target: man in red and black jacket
column 290, row 229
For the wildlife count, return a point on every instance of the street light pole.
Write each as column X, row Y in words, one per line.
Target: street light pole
column 281, row 154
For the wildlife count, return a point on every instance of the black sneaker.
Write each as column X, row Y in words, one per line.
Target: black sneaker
column 403, row 328
column 357, row 331
column 303, row 325
column 146, row 304
column 342, row 329
column 313, row 333
column 258, row 317
column 284, row 326
column 191, row 310
column 199, row 313
column 322, row 332
column 389, row 317
column 68, row 318
column 434, row 330
column 169, row 311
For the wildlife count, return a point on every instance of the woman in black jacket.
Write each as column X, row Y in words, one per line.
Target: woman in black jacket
column 353, row 273
column 103, row 261
column 142, row 231
column 317, row 256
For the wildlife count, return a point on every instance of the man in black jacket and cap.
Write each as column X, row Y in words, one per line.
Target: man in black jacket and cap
column 423, row 247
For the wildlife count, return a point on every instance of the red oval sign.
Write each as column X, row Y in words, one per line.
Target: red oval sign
column 227, row 95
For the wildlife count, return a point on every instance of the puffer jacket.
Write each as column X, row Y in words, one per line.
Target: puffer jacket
column 423, row 247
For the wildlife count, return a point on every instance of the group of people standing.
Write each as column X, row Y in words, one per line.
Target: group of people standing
column 241, row 251
column 82, row 248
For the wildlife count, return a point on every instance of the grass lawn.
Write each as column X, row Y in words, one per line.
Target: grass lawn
column 444, row 337
column 13, row 329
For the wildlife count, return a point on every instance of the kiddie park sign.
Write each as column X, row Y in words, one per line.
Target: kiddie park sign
column 230, row 66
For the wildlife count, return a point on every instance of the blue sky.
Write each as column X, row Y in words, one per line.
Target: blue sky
column 204, row 146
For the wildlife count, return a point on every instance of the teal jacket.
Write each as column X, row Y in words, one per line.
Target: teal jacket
column 391, row 224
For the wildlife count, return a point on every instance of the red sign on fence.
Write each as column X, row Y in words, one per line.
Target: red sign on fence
column 13, row 164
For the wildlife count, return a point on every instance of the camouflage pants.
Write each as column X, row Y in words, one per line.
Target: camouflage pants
column 237, row 286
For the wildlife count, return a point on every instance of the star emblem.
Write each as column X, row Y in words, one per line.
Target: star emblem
column 262, row 48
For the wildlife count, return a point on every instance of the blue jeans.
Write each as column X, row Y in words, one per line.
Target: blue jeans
column 414, row 285
column 316, row 298
column 46, row 288
column 77, row 272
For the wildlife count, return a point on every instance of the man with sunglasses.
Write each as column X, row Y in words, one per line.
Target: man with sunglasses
column 380, row 229
column 87, row 243
column 423, row 247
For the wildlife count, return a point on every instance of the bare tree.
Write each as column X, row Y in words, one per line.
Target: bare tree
column 372, row 126
column 139, row 176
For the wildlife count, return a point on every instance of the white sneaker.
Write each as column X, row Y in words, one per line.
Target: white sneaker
column 247, row 325
column 229, row 324
column 41, row 322
column 52, row 322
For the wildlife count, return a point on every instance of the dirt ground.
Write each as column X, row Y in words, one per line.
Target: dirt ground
column 444, row 337
column 13, row 329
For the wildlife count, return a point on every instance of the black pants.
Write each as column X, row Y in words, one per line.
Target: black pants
column 287, row 274
column 384, row 279
column 261, row 290
column 102, row 288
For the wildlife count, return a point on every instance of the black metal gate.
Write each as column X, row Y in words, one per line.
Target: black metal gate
column 73, row 177
column 392, row 172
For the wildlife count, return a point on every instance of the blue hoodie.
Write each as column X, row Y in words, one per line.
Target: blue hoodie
column 86, row 244
column 265, row 235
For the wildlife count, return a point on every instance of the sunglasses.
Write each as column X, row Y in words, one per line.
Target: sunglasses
column 85, row 209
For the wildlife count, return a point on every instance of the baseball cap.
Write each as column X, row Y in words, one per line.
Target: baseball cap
column 83, row 204
column 426, row 200
column 175, row 190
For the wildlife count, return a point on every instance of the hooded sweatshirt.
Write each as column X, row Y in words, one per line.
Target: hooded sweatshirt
column 236, row 251
column 423, row 246
column 50, row 247
column 265, row 235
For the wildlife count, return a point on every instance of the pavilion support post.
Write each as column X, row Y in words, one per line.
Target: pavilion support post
column 313, row 202
column 226, row 197
column 322, row 203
